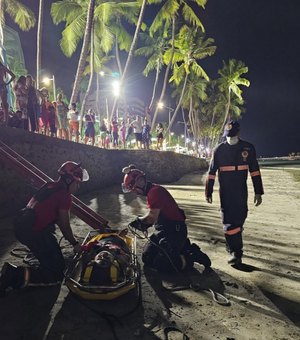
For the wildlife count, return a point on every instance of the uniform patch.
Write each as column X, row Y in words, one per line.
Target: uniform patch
column 245, row 154
column 228, row 127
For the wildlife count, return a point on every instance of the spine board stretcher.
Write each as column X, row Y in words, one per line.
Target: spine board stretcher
column 77, row 270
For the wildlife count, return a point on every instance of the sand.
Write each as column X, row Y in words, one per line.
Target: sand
column 264, row 298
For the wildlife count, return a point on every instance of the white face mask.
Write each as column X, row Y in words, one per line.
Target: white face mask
column 232, row 140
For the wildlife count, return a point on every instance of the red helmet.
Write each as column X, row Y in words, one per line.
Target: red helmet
column 74, row 171
column 131, row 176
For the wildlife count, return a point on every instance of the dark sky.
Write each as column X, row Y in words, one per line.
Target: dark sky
column 262, row 33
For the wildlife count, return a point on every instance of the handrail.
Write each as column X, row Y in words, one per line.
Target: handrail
column 37, row 178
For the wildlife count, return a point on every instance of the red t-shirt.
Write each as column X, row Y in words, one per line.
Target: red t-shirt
column 159, row 198
column 46, row 212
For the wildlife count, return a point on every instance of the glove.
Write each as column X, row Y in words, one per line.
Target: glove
column 257, row 200
column 209, row 199
column 77, row 248
column 138, row 224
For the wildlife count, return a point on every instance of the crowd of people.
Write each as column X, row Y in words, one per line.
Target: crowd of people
column 33, row 111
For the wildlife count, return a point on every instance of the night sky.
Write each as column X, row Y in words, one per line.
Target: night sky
column 264, row 34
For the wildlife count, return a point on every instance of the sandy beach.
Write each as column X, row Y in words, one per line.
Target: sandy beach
column 264, row 298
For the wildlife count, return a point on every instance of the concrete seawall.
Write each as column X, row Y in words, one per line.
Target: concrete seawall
column 104, row 166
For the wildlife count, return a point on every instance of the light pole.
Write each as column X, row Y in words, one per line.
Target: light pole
column 161, row 106
column 46, row 80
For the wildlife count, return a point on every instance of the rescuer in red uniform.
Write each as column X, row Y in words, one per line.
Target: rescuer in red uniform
column 35, row 227
column 233, row 159
column 168, row 248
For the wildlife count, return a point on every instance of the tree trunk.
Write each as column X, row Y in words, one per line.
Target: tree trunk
column 179, row 103
column 84, row 51
column 97, row 97
column 1, row 31
column 39, row 43
column 154, row 86
column 132, row 47
column 90, row 81
column 166, row 75
column 227, row 110
column 118, row 60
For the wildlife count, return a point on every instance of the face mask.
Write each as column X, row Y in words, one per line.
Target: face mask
column 232, row 140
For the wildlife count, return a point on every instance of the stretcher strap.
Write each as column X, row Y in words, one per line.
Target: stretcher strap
column 217, row 297
column 87, row 274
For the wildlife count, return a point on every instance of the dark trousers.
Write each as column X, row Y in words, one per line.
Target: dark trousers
column 234, row 242
column 32, row 118
column 45, row 248
column 163, row 250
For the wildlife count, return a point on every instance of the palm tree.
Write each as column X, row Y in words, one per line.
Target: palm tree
column 194, row 97
column 19, row 13
column 154, row 49
column 82, row 110
column 39, row 43
column 190, row 47
column 133, row 45
column 168, row 14
column 230, row 81
column 75, row 14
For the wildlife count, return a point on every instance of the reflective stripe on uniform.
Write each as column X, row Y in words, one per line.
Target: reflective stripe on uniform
column 243, row 167
column 227, row 168
column 26, row 276
column 211, row 176
column 233, row 231
column 255, row 173
column 233, row 168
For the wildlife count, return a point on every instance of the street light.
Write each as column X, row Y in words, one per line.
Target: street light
column 116, row 87
column 47, row 80
column 161, row 106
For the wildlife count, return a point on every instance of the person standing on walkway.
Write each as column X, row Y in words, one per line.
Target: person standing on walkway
column 233, row 159
column 32, row 103
column 21, row 100
column 146, row 137
column 73, row 117
column 159, row 136
column 168, row 248
column 4, row 73
column 137, row 129
column 89, row 132
column 35, row 228
column 62, row 117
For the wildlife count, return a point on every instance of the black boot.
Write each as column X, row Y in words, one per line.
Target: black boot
column 11, row 277
column 196, row 255
column 235, row 259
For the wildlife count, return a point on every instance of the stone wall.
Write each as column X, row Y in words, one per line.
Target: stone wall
column 104, row 166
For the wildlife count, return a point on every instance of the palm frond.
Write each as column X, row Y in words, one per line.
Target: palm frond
column 191, row 17
column 21, row 14
column 66, row 10
column 72, row 34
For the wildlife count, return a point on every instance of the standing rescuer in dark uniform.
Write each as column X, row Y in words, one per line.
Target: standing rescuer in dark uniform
column 169, row 248
column 233, row 159
column 35, row 227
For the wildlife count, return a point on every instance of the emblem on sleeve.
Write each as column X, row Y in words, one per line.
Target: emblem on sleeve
column 245, row 155
column 228, row 127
